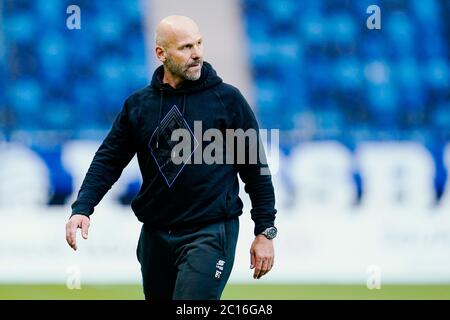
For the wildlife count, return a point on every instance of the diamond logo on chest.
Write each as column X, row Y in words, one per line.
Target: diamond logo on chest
column 161, row 150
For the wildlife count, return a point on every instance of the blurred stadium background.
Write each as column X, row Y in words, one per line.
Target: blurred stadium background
column 360, row 173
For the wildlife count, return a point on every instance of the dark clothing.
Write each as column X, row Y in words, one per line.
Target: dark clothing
column 185, row 195
column 189, row 264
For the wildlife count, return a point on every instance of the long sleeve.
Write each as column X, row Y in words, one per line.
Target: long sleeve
column 113, row 155
column 256, row 176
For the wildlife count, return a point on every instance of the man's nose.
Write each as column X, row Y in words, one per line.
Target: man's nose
column 196, row 53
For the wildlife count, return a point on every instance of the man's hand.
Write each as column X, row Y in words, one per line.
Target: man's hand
column 261, row 256
column 75, row 222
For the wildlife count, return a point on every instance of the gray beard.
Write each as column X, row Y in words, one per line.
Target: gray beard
column 186, row 74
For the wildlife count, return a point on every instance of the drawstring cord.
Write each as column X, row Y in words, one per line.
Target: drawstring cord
column 159, row 119
column 160, row 114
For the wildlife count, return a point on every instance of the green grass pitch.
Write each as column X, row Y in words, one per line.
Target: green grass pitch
column 233, row 292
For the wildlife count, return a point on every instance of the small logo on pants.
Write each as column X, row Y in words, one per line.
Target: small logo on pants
column 219, row 268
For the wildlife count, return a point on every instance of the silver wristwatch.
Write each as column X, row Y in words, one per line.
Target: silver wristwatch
column 270, row 233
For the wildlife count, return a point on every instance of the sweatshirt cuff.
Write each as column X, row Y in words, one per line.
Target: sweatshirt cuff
column 84, row 209
column 259, row 228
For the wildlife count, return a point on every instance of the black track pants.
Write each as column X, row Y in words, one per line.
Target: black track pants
column 187, row 264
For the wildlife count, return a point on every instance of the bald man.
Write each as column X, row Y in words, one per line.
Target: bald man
column 189, row 210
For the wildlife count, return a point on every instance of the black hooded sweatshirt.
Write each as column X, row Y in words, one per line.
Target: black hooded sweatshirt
column 188, row 194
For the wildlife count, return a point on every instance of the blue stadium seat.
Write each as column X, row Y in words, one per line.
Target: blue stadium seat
column 318, row 78
column 341, row 28
column 107, row 28
column 25, row 95
column 433, row 45
column 53, row 11
column 20, row 27
column 282, row 12
column 413, row 96
column 53, row 58
column 347, row 74
column 313, row 29
column 383, row 103
column 268, row 97
column 134, row 11
column 373, row 46
column 437, row 74
column 427, row 13
column 400, row 32
column 57, row 114
column 441, row 116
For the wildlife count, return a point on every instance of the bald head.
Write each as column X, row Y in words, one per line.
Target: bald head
column 179, row 47
column 173, row 28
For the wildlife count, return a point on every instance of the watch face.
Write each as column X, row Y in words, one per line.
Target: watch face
column 270, row 233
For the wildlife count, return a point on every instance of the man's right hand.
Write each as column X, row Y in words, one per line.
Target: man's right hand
column 75, row 222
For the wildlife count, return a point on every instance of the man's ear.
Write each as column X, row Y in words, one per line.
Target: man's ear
column 160, row 53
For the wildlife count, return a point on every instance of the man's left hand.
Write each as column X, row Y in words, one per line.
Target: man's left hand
column 261, row 256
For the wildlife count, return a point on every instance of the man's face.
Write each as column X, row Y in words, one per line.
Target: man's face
column 184, row 56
